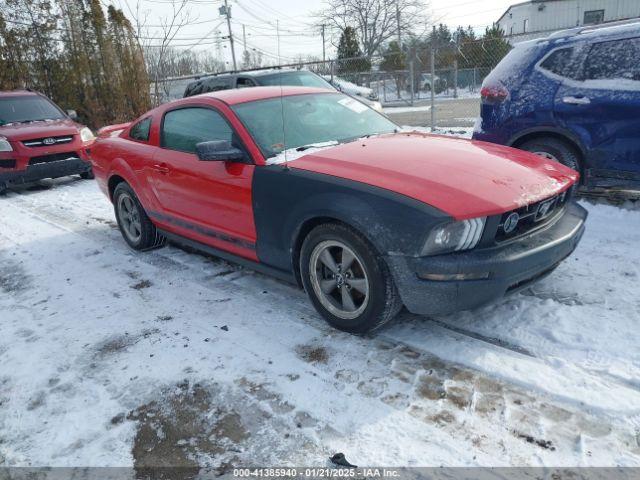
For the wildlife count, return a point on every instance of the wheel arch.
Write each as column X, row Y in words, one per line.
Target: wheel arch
column 113, row 182
column 541, row 132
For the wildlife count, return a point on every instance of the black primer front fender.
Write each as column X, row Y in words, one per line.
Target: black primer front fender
column 285, row 199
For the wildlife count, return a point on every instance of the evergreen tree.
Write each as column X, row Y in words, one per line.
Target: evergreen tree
column 393, row 61
column 392, row 58
column 495, row 46
column 350, row 59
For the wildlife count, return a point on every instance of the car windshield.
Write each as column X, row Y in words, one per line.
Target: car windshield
column 294, row 79
column 296, row 121
column 28, row 108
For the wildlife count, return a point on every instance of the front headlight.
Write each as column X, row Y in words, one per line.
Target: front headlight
column 86, row 135
column 454, row 236
column 376, row 106
column 5, row 146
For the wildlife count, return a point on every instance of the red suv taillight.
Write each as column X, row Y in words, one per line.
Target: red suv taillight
column 494, row 93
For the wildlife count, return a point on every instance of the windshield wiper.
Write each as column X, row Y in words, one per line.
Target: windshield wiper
column 34, row 120
column 316, row 145
column 305, row 147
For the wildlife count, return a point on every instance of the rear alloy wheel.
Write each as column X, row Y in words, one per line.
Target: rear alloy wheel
column 554, row 149
column 347, row 282
column 136, row 227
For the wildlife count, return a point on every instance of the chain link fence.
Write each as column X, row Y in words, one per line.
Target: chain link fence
column 436, row 87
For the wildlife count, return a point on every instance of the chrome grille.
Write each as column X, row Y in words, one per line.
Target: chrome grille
column 47, row 141
column 530, row 217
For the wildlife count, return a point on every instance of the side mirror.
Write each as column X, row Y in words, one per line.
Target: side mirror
column 218, row 151
column 73, row 115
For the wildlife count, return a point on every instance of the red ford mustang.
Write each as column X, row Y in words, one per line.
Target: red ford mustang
column 316, row 188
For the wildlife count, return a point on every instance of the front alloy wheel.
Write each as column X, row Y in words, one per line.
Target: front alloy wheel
column 347, row 281
column 339, row 279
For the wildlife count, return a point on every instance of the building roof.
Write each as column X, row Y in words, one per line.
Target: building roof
column 528, row 2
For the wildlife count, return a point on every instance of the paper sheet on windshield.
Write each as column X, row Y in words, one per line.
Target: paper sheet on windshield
column 354, row 105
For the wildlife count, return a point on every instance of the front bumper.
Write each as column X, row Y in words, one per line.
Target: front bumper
column 40, row 171
column 507, row 268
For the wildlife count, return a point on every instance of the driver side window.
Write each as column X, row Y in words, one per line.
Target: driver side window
column 182, row 129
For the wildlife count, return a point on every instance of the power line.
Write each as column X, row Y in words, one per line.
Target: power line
column 279, row 14
column 261, row 19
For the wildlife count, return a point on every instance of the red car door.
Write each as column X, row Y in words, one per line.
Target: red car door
column 207, row 201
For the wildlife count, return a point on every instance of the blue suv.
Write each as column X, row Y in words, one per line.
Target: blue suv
column 573, row 97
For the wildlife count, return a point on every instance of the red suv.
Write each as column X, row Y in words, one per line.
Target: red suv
column 39, row 140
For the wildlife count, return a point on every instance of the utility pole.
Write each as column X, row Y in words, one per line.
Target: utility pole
column 324, row 55
column 244, row 41
column 432, row 63
column 398, row 22
column 278, row 34
column 226, row 10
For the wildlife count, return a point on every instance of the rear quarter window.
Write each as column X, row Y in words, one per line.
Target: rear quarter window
column 562, row 62
column 140, row 131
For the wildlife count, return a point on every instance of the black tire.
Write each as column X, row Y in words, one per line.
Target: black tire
column 3, row 188
column 382, row 301
column 88, row 175
column 148, row 237
column 554, row 148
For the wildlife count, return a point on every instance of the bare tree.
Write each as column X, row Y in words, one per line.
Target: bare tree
column 156, row 43
column 376, row 21
column 252, row 59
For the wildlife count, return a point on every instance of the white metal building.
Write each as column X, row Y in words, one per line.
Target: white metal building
column 539, row 17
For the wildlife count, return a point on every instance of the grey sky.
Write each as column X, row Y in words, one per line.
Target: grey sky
column 295, row 19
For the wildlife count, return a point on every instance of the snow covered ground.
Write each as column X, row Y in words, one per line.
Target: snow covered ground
column 115, row 358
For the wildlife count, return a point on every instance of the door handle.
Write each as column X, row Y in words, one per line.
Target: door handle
column 161, row 168
column 576, row 100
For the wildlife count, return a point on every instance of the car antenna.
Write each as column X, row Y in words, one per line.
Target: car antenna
column 284, row 137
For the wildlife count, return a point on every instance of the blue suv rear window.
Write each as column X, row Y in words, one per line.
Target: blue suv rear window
column 560, row 63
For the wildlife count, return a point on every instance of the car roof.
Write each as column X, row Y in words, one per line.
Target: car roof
column 262, row 73
column 18, row 93
column 243, row 95
column 254, row 73
column 603, row 30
